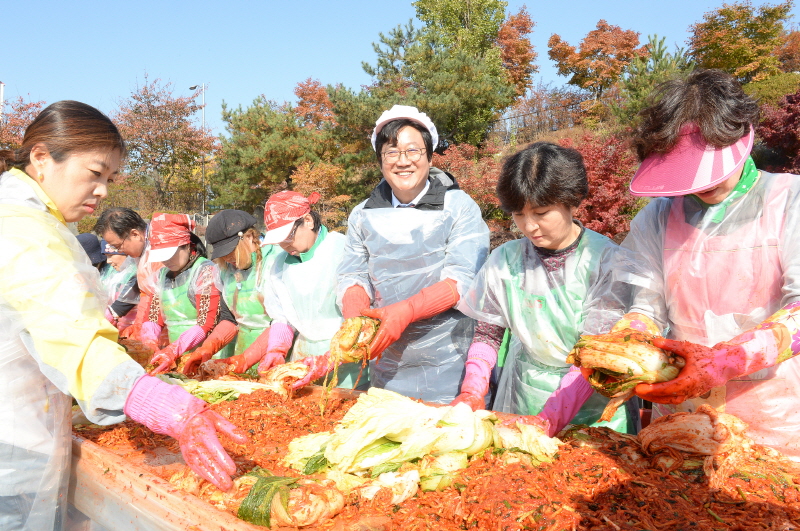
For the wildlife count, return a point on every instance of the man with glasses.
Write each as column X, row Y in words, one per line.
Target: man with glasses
column 125, row 230
column 413, row 247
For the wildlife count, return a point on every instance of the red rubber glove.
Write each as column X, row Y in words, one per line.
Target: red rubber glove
column 221, row 335
column 706, row 368
column 131, row 332
column 318, row 366
column 164, row 359
column 481, row 359
column 396, row 317
column 169, row 410
column 354, row 300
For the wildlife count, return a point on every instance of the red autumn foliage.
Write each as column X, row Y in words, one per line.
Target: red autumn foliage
column 313, row 105
column 780, row 130
column 789, row 52
column 610, row 165
column 475, row 170
column 516, row 51
column 17, row 116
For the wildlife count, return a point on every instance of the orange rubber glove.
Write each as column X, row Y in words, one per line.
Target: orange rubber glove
column 221, row 335
column 396, row 317
column 251, row 355
column 354, row 300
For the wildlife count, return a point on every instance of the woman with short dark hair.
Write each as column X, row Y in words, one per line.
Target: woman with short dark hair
column 535, row 287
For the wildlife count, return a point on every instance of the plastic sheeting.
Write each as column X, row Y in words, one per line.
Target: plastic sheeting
column 304, row 296
column 118, row 287
column 243, row 293
column 177, row 296
column 396, row 252
column 54, row 341
column 706, row 281
column 544, row 311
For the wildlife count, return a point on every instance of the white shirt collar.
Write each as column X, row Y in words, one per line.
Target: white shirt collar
column 396, row 202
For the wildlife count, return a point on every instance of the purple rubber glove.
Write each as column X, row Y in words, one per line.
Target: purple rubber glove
column 318, row 367
column 280, row 341
column 190, row 339
column 565, row 402
column 481, row 359
column 149, row 332
column 170, row 410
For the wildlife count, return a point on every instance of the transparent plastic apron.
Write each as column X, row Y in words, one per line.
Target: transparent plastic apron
column 749, row 261
column 242, row 295
column 179, row 312
column 552, row 321
column 307, row 293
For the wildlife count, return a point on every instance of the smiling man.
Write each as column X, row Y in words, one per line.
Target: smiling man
column 413, row 247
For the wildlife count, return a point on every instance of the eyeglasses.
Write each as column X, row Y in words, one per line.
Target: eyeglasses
column 290, row 237
column 412, row 154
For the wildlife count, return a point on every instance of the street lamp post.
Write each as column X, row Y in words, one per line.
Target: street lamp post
column 203, row 160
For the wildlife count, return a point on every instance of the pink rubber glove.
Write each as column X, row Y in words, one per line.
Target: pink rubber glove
column 170, row 410
column 191, row 338
column 111, row 318
column 318, row 366
column 164, row 359
column 280, row 341
column 771, row 342
column 396, row 317
column 481, row 359
column 149, row 332
column 565, row 402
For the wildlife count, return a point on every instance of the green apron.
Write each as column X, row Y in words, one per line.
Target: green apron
column 242, row 291
column 180, row 313
column 543, row 311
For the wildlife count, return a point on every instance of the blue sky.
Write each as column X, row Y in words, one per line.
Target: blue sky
column 98, row 52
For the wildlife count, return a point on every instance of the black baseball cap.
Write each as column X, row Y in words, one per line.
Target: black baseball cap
column 226, row 229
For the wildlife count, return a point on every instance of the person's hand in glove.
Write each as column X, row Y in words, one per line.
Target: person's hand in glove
column 481, row 359
column 170, row 410
column 565, row 402
column 396, row 317
column 354, row 300
column 131, row 332
column 629, row 321
column 221, row 335
column 281, row 336
column 318, row 366
column 769, row 343
column 164, row 359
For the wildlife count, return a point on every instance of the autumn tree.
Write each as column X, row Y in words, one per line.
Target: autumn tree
column 314, row 107
column 516, row 51
column 771, row 91
column 476, row 171
column 165, row 144
column 17, row 115
column 470, row 25
column 646, row 72
column 740, row 39
column 323, row 177
column 600, row 58
column 788, row 52
column 610, row 166
column 264, row 145
column 780, row 130
column 541, row 110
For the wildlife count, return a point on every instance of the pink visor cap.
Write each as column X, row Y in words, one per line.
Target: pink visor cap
column 691, row 166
